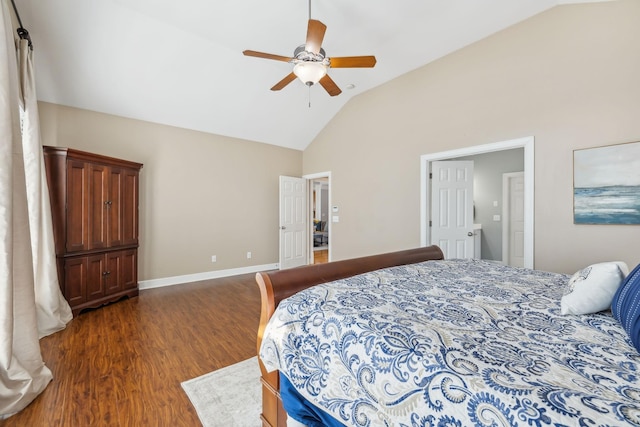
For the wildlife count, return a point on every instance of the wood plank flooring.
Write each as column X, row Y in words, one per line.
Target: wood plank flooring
column 321, row 256
column 122, row 364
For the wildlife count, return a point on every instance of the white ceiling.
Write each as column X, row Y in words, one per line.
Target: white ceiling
column 180, row 63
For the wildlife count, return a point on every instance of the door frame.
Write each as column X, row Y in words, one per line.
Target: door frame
column 506, row 214
column 425, row 188
column 310, row 178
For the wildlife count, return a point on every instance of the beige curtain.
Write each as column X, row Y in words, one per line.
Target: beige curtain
column 27, row 266
column 53, row 311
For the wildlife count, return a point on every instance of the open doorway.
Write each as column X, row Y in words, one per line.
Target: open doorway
column 492, row 205
column 320, row 217
column 304, row 206
column 527, row 144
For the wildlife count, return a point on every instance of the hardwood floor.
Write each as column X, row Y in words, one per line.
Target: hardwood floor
column 122, row 364
column 320, row 256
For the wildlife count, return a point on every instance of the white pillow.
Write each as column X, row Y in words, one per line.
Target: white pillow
column 591, row 289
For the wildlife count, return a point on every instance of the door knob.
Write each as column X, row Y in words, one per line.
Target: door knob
column 282, row 227
column 469, row 234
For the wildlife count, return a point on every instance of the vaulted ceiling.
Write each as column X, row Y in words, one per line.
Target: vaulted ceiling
column 180, row 63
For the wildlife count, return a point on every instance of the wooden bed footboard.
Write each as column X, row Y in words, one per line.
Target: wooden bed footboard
column 280, row 284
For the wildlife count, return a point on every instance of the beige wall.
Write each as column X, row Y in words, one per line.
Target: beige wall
column 570, row 77
column 200, row 195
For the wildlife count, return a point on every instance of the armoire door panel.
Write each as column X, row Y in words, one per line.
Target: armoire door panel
column 129, row 207
column 75, row 280
column 98, row 206
column 77, row 220
column 113, row 273
column 95, row 278
column 130, row 269
column 114, row 218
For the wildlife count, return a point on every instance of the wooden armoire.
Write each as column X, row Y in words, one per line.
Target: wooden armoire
column 94, row 204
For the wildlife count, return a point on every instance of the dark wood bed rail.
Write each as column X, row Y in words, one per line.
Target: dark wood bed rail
column 280, row 284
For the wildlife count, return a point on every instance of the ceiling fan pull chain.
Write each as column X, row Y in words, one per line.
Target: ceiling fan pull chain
column 309, row 86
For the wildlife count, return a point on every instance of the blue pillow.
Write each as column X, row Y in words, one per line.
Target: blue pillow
column 626, row 306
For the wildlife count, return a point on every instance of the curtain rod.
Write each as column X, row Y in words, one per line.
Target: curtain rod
column 22, row 32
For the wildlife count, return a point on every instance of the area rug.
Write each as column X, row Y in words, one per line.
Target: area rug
column 230, row 396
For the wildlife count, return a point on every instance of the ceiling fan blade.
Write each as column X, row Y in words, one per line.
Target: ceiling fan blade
column 266, row 55
column 353, row 62
column 282, row 83
column 315, row 34
column 330, row 86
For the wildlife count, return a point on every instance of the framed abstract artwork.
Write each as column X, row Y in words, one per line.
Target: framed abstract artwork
column 606, row 184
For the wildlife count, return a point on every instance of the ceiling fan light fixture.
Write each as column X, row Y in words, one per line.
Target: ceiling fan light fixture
column 310, row 72
column 310, row 62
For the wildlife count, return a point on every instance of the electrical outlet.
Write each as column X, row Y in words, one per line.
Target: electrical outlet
column 213, row 258
column 248, row 255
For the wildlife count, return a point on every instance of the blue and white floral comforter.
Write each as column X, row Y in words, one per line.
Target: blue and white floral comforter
column 454, row 343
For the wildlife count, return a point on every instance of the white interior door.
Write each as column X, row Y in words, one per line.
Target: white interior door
column 513, row 230
column 452, row 208
column 293, row 222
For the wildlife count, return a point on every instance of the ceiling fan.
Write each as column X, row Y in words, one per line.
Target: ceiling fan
column 310, row 62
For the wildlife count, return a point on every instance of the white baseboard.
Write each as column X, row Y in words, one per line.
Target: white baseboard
column 188, row 278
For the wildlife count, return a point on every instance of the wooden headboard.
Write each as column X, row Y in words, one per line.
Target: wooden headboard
column 280, row 284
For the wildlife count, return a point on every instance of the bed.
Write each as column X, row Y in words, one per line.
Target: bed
column 410, row 339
